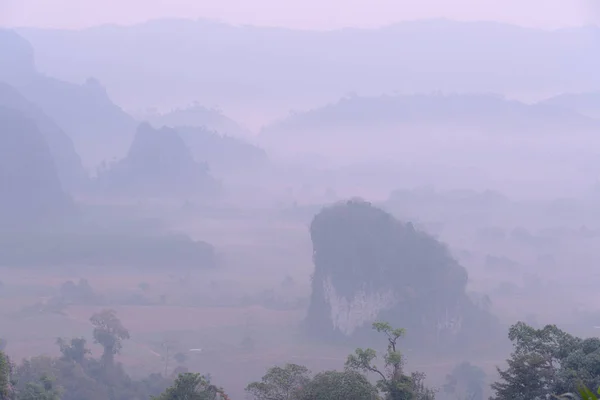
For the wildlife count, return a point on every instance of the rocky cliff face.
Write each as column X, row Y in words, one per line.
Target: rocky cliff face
column 370, row 266
column 30, row 190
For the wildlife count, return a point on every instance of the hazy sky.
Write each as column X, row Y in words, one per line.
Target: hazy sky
column 311, row 14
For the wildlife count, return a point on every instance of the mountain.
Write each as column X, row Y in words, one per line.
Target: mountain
column 67, row 162
column 369, row 122
column 198, row 116
column 587, row 103
column 158, row 164
column 98, row 127
column 223, row 153
column 30, row 190
column 360, row 252
column 272, row 70
column 448, row 141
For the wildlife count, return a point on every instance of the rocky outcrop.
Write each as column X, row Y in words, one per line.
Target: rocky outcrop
column 370, row 266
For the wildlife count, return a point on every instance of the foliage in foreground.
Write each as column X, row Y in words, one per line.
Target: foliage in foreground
column 546, row 362
column 5, row 374
column 294, row 382
column 76, row 375
column 190, row 386
column 393, row 382
column 584, row 394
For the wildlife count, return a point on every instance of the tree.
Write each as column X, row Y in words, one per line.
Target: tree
column 5, row 377
column 280, row 383
column 191, row 386
column 393, row 382
column 534, row 368
column 466, row 382
column 335, row 385
column 584, row 394
column 109, row 332
column 74, row 350
column 167, row 345
column 42, row 390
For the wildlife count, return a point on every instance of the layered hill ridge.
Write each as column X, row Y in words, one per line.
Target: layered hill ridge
column 480, row 110
column 158, row 164
column 199, row 116
column 282, row 69
column 364, row 123
column 586, row 103
column 30, row 190
column 99, row 129
column 68, row 163
column 223, row 153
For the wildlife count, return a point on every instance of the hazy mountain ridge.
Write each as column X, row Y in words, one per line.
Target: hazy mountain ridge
column 485, row 113
column 444, row 139
column 85, row 112
column 223, row 153
column 586, row 103
column 29, row 184
column 197, row 115
column 259, row 67
column 67, row 161
column 158, row 164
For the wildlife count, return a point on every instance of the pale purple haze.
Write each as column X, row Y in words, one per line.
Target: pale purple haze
column 306, row 14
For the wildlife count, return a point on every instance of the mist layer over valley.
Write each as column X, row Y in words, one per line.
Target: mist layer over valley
column 252, row 204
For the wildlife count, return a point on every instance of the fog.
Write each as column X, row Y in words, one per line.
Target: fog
column 241, row 190
column 309, row 14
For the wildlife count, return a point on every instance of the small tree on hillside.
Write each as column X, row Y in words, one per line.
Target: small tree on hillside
column 74, row 350
column 109, row 332
column 280, row 383
column 42, row 390
column 336, row 385
column 190, row 386
column 393, row 382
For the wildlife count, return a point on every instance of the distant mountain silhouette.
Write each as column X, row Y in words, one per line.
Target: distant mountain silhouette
column 223, row 153
column 258, row 67
column 68, row 164
column 30, row 190
column 199, row 116
column 97, row 126
column 159, row 164
column 482, row 113
column 479, row 136
column 587, row 103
